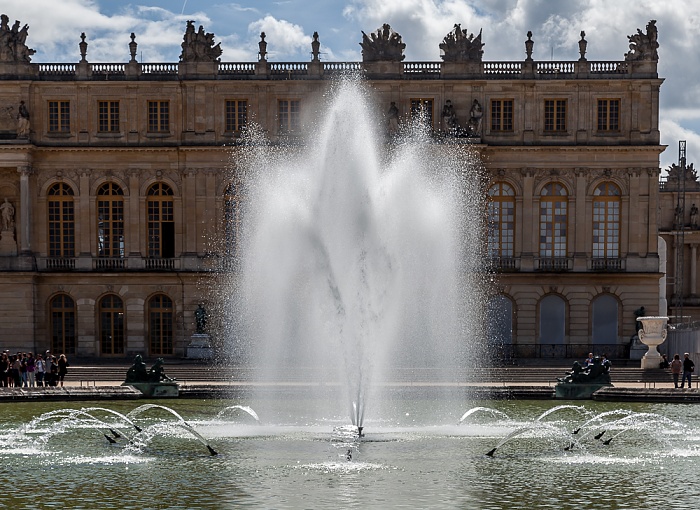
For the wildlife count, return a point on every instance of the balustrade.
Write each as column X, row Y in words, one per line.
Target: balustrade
column 430, row 70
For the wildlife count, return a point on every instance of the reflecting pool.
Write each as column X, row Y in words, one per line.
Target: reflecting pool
column 419, row 455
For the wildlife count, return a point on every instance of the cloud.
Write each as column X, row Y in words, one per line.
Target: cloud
column 284, row 38
column 671, row 133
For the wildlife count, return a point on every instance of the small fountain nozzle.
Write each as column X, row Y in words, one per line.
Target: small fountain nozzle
column 111, row 441
column 607, row 441
column 577, row 431
column 212, row 451
column 115, row 433
column 490, row 454
column 598, row 436
column 359, row 431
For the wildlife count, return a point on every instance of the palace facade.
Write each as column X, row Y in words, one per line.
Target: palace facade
column 116, row 178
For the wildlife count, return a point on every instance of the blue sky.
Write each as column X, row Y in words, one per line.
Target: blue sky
column 55, row 27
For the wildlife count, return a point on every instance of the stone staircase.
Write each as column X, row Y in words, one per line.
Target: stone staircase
column 190, row 373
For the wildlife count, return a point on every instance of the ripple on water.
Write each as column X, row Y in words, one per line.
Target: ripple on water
column 342, row 467
column 105, row 460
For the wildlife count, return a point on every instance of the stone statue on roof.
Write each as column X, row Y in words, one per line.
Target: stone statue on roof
column 382, row 45
column 13, row 48
column 199, row 46
column 682, row 178
column 643, row 46
column 457, row 46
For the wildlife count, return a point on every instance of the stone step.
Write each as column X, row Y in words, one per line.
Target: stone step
column 209, row 373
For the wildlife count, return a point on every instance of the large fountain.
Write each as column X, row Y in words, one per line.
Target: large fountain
column 358, row 295
column 360, row 257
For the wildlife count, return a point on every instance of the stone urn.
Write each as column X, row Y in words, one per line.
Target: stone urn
column 652, row 334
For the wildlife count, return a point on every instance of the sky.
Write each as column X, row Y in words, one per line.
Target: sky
column 159, row 25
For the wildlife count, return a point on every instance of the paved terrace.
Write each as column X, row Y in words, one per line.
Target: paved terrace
column 189, row 373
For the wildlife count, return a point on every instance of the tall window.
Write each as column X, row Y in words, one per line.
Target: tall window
column 422, row 108
column 604, row 320
column 111, row 310
column 606, row 221
column 501, row 115
column 61, row 221
column 236, row 115
column 108, row 116
column 110, row 221
column 501, row 220
column 553, row 221
column 608, row 114
column 59, row 116
column 160, row 325
column 62, row 310
column 555, row 115
column 161, row 221
column 159, row 116
column 552, row 320
column 232, row 218
column 289, row 115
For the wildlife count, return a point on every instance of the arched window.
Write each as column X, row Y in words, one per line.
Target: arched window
column 160, row 325
column 553, row 221
column 62, row 310
column 110, row 221
column 61, row 221
column 605, row 328
column 501, row 220
column 161, row 221
column 606, row 221
column 552, row 320
column 232, row 218
column 111, row 317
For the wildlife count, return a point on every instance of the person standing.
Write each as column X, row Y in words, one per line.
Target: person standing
column 62, row 368
column 676, row 369
column 31, row 370
column 688, row 369
column 40, row 370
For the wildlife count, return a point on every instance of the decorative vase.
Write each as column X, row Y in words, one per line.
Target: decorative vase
column 652, row 334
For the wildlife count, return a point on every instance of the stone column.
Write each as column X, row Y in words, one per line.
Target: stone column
column 189, row 204
column 652, row 233
column 633, row 246
column 25, row 209
column 529, row 224
column 578, row 225
column 132, row 218
column 83, row 218
column 693, row 269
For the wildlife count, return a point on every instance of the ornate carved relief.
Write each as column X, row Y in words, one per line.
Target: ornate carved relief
column 457, row 46
column 199, row 46
column 382, row 45
column 12, row 42
column 644, row 46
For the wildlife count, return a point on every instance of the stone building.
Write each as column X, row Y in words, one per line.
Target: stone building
column 117, row 179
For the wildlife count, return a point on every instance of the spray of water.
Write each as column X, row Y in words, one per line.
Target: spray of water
column 358, row 255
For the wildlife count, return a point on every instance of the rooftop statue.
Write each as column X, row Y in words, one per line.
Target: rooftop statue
column 457, row 46
column 382, row 45
column 643, row 46
column 676, row 176
column 12, row 42
column 199, row 46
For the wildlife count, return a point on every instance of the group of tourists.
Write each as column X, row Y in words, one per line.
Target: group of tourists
column 24, row 370
column 678, row 367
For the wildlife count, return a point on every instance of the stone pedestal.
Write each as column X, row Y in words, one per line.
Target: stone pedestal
column 652, row 334
column 637, row 349
column 8, row 245
column 578, row 391
column 156, row 390
column 200, row 347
